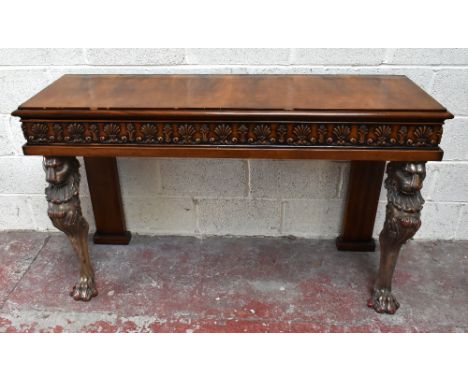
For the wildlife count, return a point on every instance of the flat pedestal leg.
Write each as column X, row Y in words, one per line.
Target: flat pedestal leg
column 403, row 219
column 365, row 182
column 104, row 188
column 64, row 209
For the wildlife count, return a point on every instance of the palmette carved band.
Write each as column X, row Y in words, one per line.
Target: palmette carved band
column 234, row 133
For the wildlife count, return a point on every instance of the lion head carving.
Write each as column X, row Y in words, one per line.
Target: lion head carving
column 63, row 177
column 404, row 183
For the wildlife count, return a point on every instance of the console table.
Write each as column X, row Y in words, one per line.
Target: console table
column 367, row 120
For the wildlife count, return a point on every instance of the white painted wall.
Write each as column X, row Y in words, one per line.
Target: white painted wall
column 235, row 197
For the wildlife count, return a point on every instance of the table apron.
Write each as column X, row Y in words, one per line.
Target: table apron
column 323, row 153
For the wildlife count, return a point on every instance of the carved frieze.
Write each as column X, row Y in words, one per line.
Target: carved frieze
column 234, row 133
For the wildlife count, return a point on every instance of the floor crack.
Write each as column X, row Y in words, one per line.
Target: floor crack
column 44, row 243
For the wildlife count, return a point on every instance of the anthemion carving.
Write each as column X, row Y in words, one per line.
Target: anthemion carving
column 341, row 134
column 39, row 131
column 75, row 133
column 238, row 133
column 403, row 219
column 302, row 134
column 64, row 209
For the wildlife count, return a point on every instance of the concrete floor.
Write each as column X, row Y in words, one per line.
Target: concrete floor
column 223, row 284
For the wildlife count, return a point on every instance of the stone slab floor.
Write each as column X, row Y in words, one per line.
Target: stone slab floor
column 224, row 284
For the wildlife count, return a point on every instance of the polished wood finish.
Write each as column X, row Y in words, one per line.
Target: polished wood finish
column 104, row 187
column 103, row 96
column 368, row 120
column 365, row 182
column 234, row 115
column 238, row 152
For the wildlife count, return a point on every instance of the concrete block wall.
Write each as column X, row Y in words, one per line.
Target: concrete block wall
column 235, row 197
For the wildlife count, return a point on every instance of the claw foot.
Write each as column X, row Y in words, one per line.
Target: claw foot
column 383, row 301
column 84, row 289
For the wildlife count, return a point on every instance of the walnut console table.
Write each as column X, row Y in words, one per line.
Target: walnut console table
column 367, row 120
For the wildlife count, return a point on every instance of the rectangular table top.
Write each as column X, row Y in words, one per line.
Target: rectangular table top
column 279, row 96
column 355, row 117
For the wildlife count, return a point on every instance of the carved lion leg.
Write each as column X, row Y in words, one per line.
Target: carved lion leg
column 62, row 174
column 404, row 182
column 85, row 288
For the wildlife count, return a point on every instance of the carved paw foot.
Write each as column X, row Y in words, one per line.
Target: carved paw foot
column 383, row 301
column 84, row 289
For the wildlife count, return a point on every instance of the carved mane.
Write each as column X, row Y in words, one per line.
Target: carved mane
column 405, row 202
